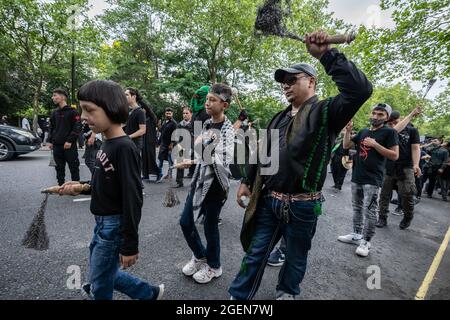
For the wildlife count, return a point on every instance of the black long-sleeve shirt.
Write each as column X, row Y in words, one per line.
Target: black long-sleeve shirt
column 116, row 188
column 166, row 132
column 354, row 90
column 65, row 125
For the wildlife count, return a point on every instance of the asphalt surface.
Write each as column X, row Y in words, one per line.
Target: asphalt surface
column 334, row 271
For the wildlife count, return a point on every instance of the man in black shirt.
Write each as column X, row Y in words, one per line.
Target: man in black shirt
column 373, row 147
column 65, row 128
column 135, row 127
column 402, row 173
column 288, row 201
column 165, row 144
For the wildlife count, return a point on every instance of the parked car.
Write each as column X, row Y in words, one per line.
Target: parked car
column 15, row 141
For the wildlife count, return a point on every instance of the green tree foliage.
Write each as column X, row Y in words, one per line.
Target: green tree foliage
column 36, row 46
column 169, row 48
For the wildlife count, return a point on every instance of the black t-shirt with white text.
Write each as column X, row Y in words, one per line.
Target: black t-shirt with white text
column 369, row 164
column 116, row 188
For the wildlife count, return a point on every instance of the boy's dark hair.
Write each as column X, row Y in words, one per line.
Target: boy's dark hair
column 187, row 108
column 61, row 91
column 168, row 110
column 222, row 90
column 109, row 96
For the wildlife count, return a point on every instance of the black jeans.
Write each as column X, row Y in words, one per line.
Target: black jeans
column 431, row 175
column 70, row 156
column 338, row 171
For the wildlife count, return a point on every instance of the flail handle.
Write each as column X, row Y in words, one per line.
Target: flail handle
column 341, row 38
column 77, row 188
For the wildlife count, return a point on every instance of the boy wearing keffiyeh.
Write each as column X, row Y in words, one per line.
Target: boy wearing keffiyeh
column 209, row 187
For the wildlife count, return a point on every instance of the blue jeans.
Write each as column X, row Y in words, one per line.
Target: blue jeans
column 161, row 164
column 269, row 227
column 211, row 211
column 104, row 273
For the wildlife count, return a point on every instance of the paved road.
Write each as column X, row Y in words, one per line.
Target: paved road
column 334, row 271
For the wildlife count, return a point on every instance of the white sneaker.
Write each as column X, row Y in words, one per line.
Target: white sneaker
column 206, row 274
column 161, row 292
column 363, row 249
column 193, row 266
column 352, row 238
column 285, row 296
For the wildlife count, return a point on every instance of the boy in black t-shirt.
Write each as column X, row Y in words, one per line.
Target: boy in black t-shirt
column 116, row 196
column 373, row 147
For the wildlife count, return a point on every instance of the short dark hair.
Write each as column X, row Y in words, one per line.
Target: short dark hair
column 394, row 116
column 168, row 110
column 61, row 91
column 109, row 96
column 187, row 108
column 136, row 93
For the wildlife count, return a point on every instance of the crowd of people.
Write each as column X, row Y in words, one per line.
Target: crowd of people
column 283, row 207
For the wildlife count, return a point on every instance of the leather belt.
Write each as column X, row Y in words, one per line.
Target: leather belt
column 296, row 196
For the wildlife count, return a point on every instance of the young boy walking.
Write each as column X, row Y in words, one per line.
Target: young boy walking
column 116, row 192
column 209, row 186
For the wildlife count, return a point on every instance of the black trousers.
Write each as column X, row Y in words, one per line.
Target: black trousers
column 338, row 171
column 432, row 176
column 180, row 174
column 70, row 156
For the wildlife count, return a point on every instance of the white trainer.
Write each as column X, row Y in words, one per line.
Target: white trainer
column 161, row 292
column 363, row 249
column 206, row 274
column 352, row 238
column 285, row 296
column 193, row 266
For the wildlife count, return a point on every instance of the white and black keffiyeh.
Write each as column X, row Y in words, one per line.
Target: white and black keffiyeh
column 222, row 157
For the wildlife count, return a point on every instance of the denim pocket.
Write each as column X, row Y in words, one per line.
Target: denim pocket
column 109, row 233
column 303, row 211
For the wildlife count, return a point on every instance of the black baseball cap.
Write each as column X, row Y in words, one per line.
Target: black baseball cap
column 295, row 69
column 394, row 115
column 169, row 110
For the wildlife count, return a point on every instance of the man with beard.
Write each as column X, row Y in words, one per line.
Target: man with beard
column 165, row 144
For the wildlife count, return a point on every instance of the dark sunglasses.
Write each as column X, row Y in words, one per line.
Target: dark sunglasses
column 290, row 81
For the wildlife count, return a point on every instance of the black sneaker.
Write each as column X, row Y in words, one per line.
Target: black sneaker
column 398, row 212
column 405, row 223
column 276, row 258
column 382, row 222
column 177, row 185
column 86, row 291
